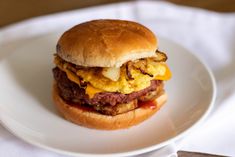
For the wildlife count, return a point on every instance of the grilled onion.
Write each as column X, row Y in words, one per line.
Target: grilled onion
column 111, row 73
column 129, row 67
column 160, row 56
column 141, row 65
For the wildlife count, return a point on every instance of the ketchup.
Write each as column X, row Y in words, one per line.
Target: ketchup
column 148, row 104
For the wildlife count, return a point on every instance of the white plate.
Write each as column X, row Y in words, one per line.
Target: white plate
column 28, row 112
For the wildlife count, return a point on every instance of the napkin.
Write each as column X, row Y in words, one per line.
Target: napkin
column 208, row 34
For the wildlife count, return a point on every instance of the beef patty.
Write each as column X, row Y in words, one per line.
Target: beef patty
column 110, row 103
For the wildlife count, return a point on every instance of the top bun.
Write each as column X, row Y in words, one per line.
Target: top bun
column 106, row 43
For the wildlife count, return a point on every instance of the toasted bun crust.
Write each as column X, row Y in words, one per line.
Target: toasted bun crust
column 92, row 119
column 106, row 43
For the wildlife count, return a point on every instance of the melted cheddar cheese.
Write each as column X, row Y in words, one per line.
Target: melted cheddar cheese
column 98, row 83
column 91, row 91
column 124, row 85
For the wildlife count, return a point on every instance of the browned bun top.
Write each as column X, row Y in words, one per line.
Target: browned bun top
column 106, row 43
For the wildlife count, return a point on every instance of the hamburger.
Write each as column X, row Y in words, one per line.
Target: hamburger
column 109, row 74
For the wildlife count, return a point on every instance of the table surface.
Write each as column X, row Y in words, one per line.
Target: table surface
column 12, row 11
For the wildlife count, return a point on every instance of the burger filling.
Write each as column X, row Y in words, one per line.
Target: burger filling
column 112, row 91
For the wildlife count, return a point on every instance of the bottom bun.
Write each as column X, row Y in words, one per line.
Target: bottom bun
column 93, row 119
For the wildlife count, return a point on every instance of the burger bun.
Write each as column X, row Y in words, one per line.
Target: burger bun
column 95, row 120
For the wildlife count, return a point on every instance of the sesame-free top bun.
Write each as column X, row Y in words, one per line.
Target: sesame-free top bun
column 93, row 119
column 106, row 43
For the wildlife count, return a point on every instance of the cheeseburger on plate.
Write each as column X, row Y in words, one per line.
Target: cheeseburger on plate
column 109, row 74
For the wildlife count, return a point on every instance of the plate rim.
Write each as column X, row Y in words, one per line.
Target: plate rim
column 132, row 152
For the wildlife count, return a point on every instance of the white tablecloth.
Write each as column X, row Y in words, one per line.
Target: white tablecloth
column 211, row 35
